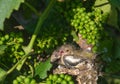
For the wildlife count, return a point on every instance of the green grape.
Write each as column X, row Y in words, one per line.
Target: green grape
column 81, row 23
column 6, row 37
column 79, row 17
column 93, row 37
column 63, row 82
column 15, row 82
column 89, row 41
column 1, row 42
column 93, row 43
column 81, row 32
column 19, row 79
column 83, row 15
column 81, row 10
column 84, row 31
column 55, row 76
column 27, row 80
column 82, row 19
column 62, row 75
column 68, row 78
column 76, row 25
column 17, row 46
column 84, row 36
column 88, row 30
column 21, row 53
column 86, row 21
column 59, row 80
column 88, row 14
column 80, row 27
column 87, row 17
column 70, row 82
column 49, row 82
column 2, row 39
column 50, row 76
column 92, row 28
column 20, row 40
column 91, row 23
column 33, row 81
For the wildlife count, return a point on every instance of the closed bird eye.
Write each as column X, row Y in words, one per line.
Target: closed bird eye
column 67, row 50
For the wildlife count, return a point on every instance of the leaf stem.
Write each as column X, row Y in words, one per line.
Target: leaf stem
column 28, row 49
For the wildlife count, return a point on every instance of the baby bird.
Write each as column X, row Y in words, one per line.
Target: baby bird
column 61, row 51
column 69, row 56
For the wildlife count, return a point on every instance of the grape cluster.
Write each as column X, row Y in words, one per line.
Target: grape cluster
column 87, row 23
column 24, row 80
column 59, row 79
column 13, row 51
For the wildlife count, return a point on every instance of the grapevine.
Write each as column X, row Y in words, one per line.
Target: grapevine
column 37, row 27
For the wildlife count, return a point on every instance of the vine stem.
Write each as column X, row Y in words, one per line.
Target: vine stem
column 28, row 49
column 11, row 69
column 40, row 22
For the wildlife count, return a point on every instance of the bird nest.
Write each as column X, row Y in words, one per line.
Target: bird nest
column 76, row 62
column 87, row 72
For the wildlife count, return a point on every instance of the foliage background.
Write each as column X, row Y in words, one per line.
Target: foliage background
column 23, row 16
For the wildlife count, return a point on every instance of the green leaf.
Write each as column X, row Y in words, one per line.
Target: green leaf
column 116, row 49
column 2, row 48
column 3, row 75
column 113, row 17
column 115, row 3
column 109, row 8
column 6, row 8
column 42, row 69
column 104, row 5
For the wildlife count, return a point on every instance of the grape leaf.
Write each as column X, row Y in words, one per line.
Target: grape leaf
column 116, row 3
column 104, row 5
column 109, row 6
column 42, row 68
column 6, row 8
column 116, row 49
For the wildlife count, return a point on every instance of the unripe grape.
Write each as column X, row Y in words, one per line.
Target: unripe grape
column 49, row 82
column 19, row 79
column 50, row 76
column 6, row 37
column 33, row 81
column 15, row 82
column 27, row 80
column 1, row 42
column 62, row 75
column 70, row 82
column 59, row 80
column 55, row 76
column 63, row 82
column 68, row 78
